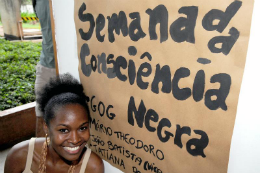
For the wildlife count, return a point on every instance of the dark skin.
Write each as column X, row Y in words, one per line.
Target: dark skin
column 68, row 132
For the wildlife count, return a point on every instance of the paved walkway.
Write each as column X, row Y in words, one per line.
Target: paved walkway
column 26, row 32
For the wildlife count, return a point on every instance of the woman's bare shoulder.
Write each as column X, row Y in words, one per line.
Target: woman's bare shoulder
column 17, row 156
column 95, row 164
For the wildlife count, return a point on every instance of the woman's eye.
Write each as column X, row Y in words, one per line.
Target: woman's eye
column 83, row 128
column 64, row 130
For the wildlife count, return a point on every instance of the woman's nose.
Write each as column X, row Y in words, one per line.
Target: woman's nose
column 74, row 138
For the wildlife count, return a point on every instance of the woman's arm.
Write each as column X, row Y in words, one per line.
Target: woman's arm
column 16, row 158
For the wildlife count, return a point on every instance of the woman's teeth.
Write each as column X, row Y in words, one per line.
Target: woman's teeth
column 71, row 148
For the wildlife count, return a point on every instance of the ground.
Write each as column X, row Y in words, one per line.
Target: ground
column 27, row 31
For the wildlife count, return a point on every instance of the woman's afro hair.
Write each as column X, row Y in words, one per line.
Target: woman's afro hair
column 60, row 90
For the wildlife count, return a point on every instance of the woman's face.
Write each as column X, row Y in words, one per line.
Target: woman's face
column 69, row 131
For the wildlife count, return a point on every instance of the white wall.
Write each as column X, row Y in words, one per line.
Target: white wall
column 66, row 39
column 245, row 146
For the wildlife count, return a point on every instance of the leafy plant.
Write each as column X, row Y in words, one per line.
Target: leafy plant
column 26, row 14
column 17, row 72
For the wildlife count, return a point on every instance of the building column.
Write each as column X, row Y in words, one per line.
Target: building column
column 10, row 16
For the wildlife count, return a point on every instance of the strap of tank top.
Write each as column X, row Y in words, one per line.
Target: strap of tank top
column 30, row 155
column 85, row 161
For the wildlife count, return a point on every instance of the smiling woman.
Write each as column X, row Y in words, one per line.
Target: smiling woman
column 66, row 124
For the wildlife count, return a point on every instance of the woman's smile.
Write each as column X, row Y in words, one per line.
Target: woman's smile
column 72, row 150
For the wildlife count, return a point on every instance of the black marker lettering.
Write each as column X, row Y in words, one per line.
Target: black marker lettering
column 183, row 28
column 158, row 15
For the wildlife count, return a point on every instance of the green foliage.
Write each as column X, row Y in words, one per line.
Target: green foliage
column 31, row 26
column 17, row 72
column 26, row 14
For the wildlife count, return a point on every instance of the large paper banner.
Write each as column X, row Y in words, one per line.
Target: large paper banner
column 163, row 80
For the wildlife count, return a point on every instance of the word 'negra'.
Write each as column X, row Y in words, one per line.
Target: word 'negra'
column 144, row 117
